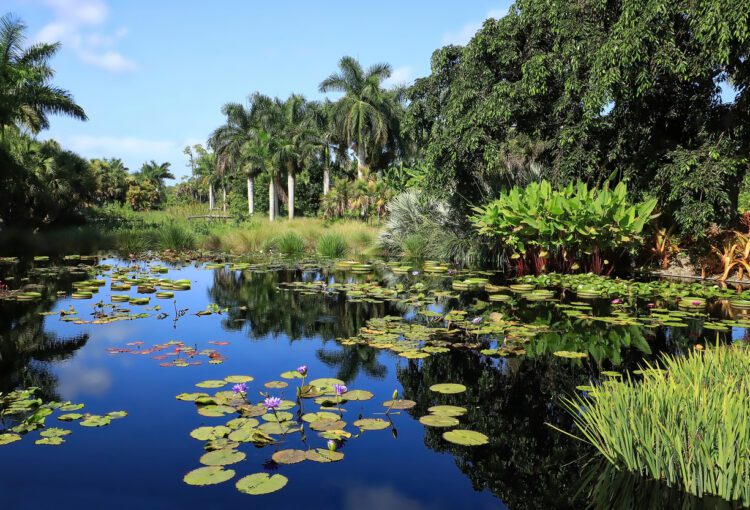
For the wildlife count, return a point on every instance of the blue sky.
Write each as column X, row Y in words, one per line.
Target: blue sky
column 152, row 75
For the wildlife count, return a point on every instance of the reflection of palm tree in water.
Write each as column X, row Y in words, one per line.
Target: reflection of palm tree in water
column 352, row 359
column 255, row 302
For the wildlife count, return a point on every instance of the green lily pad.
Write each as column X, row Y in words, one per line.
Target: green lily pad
column 448, row 388
column 213, row 383
column 326, row 382
column 238, row 379
column 95, row 421
column 70, row 417
column 251, row 435
column 322, row 415
column 323, row 425
column 222, row 457
column 55, row 432
column 291, row 374
column 51, row 441
column 216, row 411
column 261, row 483
column 282, row 427
column 276, row 384
column 208, row 475
column 437, row 420
column 238, row 423
column 400, row 405
column 278, row 416
column 357, row 395
column 447, row 410
column 323, row 455
column 209, row 433
column 335, row 434
column 8, row 438
column 288, row 456
column 71, row 407
column 465, row 437
column 115, row 415
column 372, row 424
column 190, row 397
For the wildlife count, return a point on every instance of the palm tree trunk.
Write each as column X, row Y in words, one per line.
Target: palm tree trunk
column 290, row 190
column 272, row 200
column 224, row 203
column 361, row 167
column 326, row 179
column 210, row 197
column 251, row 194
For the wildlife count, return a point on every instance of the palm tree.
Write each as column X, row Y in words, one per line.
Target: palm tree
column 238, row 143
column 26, row 95
column 207, row 170
column 367, row 114
column 294, row 138
column 156, row 173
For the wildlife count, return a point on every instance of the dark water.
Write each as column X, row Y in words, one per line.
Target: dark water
column 139, row 461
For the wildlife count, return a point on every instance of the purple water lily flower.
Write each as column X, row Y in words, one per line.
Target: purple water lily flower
column 616, row 301
column 332, row 445
column 272, row 403
column 414, row 273
column 651, row 305
column 476, row 320
column 340, row 389
column 696, row 303
column 240, row 388
column 302, row 370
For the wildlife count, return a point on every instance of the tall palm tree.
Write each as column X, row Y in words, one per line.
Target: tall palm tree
column 238, row 141
column 367, row 114
column 26, row 95
column 294, row 139
column 156, row 173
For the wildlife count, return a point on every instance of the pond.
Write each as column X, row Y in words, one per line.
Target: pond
column 437, row 338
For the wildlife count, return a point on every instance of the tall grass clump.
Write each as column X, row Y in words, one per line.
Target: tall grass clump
column 332, row 246
column 688, row 426
column 290, row 244
column 173, row 236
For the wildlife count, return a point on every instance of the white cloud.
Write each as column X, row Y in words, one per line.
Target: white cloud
column 74, row 24
column 399, row 76
column 463, row 35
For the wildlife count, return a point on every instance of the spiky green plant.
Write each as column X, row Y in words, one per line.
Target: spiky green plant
column 687, row 424
column 332, row 246
column 290, row 244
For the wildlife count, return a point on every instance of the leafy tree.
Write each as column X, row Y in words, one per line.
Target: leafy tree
column 156, row 173
column 143, row 195
column 111, row 180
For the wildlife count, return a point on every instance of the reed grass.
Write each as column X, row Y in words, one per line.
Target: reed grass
column 688, row 425
column 332, row 246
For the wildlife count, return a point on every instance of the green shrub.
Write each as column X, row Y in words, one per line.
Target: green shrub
column 332, row 246
column 131, row 241
column 290, row 244
column 689, row 426
column 415, row 247
column 566, row 227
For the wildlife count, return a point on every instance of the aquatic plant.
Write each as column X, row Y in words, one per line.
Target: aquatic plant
column 290, row 244
column 687, row 424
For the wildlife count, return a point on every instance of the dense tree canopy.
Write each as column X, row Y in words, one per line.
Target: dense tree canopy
column 593, row 90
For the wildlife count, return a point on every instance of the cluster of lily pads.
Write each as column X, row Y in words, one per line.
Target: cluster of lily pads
column 23, row 411
column 316, row 417
column 182, row 355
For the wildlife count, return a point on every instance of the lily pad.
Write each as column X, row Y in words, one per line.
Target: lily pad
column 278, row 416
column 437, row 420
column 447, row 410
column 288, row 456
column 291, row 374
column 71, row 407
column 213, row 383
column 51, row 441
column 326, row 382
column 400, row 405
column 357, row 395
column 323, row 455
column 322, row 415
column 372, row 424
column 70, row 417
column 8, row 438
column 276, row 384
column 95, row 421
column 55, row 432
column 570, row 354
column 190, row 397
column 323, row 425
column 208, row 475
column 238, row 379
column 261, row 483
column 117, row 414
column 210, row 433
column 222, row 457
column 465, row 437
column 448, row 388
